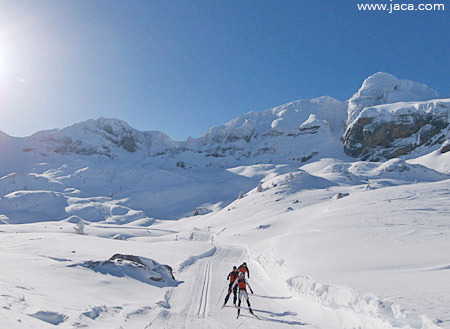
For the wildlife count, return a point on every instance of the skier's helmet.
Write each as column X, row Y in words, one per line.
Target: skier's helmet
column 234, row 268
column 244, row 263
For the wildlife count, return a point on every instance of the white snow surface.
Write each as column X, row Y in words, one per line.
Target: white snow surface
column 331, row 241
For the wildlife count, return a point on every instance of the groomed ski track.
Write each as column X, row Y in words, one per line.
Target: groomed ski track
column 197, row 301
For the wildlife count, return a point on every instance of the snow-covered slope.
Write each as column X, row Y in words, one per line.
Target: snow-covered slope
column 375, row 257
column 438, row 160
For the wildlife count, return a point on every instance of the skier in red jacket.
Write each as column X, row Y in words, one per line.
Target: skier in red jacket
column 244, row 269
column 232, row 276
column 242, row 284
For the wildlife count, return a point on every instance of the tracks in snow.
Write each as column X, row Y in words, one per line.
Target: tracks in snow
column 205, row 297
column 195, row 303
column 205, row 294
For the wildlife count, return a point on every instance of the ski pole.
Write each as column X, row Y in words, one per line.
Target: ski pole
column 220, row 297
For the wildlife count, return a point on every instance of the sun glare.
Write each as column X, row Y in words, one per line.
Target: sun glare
column 4, row 54
column 2, row 63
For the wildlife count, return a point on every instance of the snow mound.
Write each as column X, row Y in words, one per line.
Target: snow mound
column 394, row 171
column 103, row 209
column 95, row 311
column 399, row 168
column 294, row 182
column 139, row 268
column 54, row 318
column 33, row 206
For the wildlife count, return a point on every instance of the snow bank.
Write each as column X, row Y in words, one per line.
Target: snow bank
column 33, row 206
column 16, row 182
column 193, row 259
column 336, row 297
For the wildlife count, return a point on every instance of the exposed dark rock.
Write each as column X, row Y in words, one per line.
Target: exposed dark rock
column 373, row 139
column 130, row 258
column 445, row 147
column 201, row 211
column 308, row 157
column 341, row 195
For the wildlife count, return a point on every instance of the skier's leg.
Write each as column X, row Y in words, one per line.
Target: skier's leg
column 228, row 295
column 235, row 295
column 226, row 298
column 239, row 304
column 249, row 307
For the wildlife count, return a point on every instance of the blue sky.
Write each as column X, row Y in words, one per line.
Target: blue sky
column 184, row 66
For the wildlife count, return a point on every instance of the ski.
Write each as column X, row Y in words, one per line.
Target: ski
column 251, row 312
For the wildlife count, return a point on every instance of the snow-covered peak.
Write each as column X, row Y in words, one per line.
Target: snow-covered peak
column 284, row 119
column 101, row 126
column 105, row 136
column 384, row 88
column 289, row 131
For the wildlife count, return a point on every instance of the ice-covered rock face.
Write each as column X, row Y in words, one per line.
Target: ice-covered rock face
column 391, row 130
column 445, row 147
column 383, row 88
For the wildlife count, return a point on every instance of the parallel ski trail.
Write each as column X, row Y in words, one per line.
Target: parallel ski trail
column 195, row 303
column 204, row 297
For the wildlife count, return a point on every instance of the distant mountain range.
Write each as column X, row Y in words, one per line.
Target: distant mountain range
column 385, row 118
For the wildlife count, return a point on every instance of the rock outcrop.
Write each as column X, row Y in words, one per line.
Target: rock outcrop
column 392, row 130
column 445, row 147
column 140, row 268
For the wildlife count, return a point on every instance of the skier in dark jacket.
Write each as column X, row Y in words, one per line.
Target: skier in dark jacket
column 244, row 269
column 232, row 276
column 242, row 284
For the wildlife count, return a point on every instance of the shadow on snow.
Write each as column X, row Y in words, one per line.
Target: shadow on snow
column 272, row 317
column 271, row 297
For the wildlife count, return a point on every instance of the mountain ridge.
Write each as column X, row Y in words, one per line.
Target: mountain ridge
column 289, row 132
